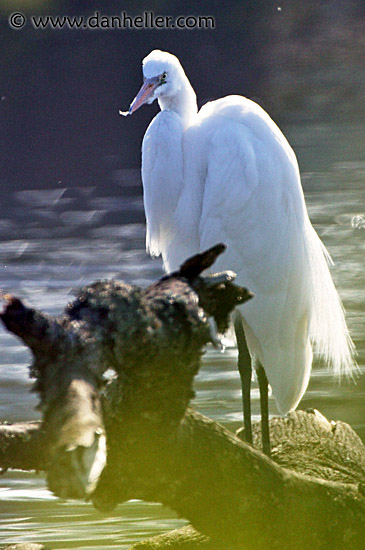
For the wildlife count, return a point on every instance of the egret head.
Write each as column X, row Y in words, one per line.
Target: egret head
column 163, row 79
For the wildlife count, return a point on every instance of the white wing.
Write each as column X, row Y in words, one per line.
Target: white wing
column 250, row 197
column 162, row 176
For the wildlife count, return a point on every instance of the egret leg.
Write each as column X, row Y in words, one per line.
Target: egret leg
column 264, row 404
column 245, row 370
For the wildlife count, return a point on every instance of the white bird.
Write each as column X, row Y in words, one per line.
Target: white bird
column 227, row 174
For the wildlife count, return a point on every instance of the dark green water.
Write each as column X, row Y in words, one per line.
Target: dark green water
column 59, row 239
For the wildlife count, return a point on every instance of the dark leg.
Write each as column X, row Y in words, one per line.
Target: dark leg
column 264, row 403
column 245, row 370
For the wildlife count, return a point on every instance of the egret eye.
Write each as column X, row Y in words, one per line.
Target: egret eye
column 163, row 78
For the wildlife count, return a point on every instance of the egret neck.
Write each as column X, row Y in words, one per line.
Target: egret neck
column 182, row 102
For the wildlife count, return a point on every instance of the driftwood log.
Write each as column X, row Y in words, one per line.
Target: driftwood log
column 309, row 496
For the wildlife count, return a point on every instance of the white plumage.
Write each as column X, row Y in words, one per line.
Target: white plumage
column 227, row 174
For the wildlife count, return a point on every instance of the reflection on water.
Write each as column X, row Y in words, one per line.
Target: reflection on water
column 31, row 514
column 56, row 240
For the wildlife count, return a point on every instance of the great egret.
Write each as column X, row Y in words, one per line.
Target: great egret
column 227, row 174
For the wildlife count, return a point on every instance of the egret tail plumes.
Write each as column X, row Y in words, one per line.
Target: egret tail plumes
column 327, row 329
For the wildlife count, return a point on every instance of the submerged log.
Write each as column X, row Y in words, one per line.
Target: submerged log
column 309, row 497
